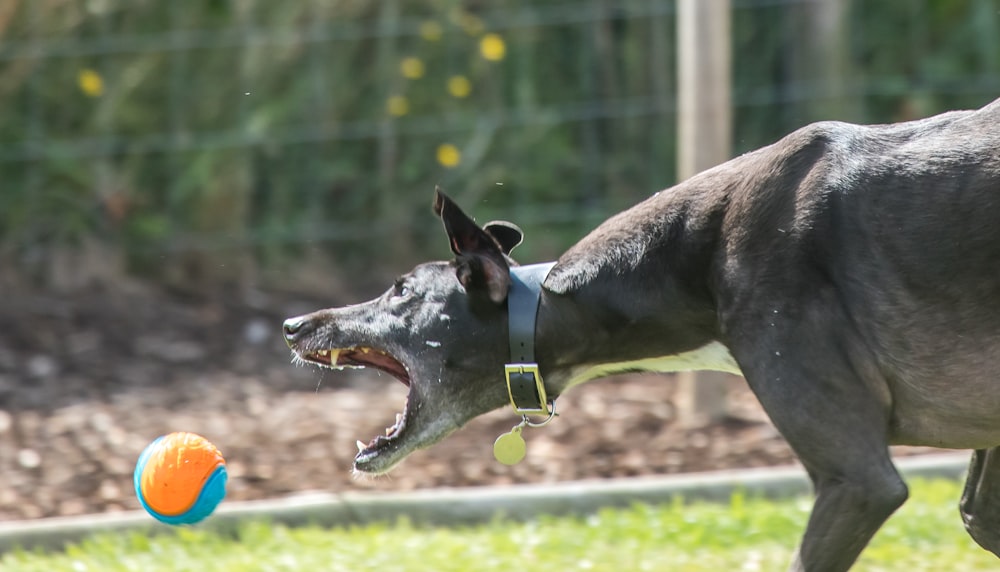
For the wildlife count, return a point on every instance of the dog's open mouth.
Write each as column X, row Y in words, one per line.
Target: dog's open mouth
column 366, row 357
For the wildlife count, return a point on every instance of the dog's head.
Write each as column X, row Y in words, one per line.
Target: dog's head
column 441, row 330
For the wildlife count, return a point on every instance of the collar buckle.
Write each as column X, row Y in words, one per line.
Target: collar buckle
column 526, row 389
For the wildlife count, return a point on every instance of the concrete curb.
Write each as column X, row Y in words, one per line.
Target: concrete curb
column 472, row 505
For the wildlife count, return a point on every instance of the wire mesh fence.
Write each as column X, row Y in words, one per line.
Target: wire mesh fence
column 224, row 139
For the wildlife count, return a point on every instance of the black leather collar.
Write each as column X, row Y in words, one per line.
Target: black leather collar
column 524, row 382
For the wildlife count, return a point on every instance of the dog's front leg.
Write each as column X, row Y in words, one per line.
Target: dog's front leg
column 847, row 513
column 838, row 427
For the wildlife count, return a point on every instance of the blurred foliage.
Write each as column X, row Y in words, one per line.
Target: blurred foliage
column 260, row 133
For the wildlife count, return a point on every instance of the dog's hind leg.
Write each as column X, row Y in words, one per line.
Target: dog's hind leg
column 980, row 505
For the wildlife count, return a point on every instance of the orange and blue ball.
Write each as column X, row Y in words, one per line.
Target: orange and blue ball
column 180, row 478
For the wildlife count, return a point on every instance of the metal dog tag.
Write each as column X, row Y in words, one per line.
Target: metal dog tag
column 509, row 448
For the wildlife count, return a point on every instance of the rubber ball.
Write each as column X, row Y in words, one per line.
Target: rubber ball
column 180, row 478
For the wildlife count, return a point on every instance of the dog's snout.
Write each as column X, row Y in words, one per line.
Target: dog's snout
column 295, row 328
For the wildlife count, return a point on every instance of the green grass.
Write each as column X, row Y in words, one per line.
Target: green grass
column 746, row 534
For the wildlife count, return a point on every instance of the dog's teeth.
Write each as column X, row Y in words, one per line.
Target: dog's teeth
column 399, row 418
column 334, row 356
column 323, row 352
column 365, row 350
column 361, row 445
column 389, row 430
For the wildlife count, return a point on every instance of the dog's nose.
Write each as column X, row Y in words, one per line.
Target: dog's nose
column 293, row 328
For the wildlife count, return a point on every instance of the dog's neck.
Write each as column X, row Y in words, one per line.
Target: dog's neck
column 601, row 305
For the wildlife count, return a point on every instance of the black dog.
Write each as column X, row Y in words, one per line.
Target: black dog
column 851, row 273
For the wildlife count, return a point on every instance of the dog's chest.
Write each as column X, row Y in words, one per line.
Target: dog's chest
column 714, row 356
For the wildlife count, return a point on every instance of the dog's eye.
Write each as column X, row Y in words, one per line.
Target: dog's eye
column 401, row 290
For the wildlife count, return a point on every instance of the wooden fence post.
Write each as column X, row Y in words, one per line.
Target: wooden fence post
column 704, row 140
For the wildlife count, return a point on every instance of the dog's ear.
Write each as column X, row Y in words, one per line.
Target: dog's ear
column 507, row 234
column 480, row 262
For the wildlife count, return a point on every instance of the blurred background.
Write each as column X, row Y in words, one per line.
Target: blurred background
column 178, row 177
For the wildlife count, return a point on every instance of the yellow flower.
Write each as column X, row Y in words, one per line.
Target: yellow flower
column 459, row 86
column 412, row 68
column 448, row 155
column 492, row 47
column 430, row 31
column 397, row 106
column 90, row 82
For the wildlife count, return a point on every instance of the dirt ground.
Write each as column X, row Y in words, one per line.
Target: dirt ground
column 86, row 381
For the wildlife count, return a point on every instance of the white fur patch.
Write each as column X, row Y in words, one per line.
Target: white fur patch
column 713, row 356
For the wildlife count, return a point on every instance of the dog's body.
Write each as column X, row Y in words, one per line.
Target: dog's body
column 851, row 273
